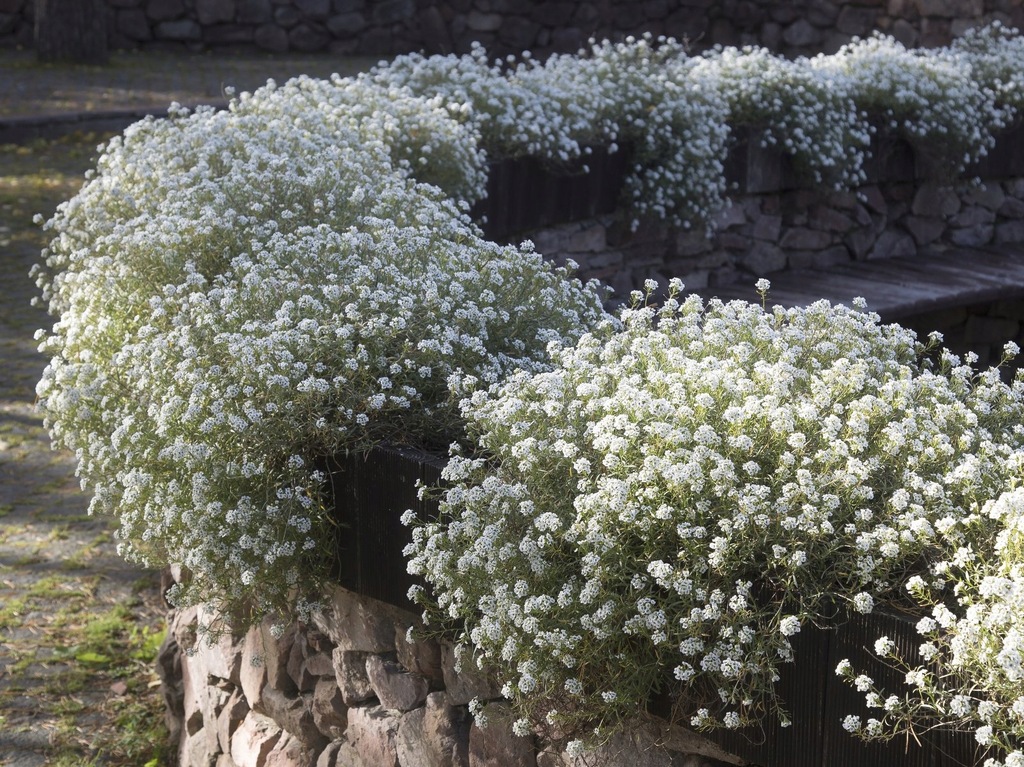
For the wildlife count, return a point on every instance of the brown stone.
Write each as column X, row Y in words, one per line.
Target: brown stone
column 496, row 745
column 372, row 731
column 329, row 711
column 396, row 688
column 423, row 656
column 254, row 740
column 891, row 244
column 350, row 676
column 764, row 258
column 215, row 11
column 294, row 715
column 799, row 238
column 1009, row 232
column 231, row 715
column 468, row 682
column 354, row 622
column 924, row 229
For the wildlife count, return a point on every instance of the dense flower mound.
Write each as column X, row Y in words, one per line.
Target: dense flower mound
column 969, row 668
column 668, row 506
column 242, row 293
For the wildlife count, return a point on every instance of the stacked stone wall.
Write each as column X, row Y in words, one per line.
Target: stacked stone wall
column 388, row 27
column 775, row 224
column 355, row 691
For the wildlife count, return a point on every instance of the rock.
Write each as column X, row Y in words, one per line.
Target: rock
column 350, row 676
column 763, row 258
column 165, row 10
column 483, row 22
column 1009, row 232
column 951, row 9
column 1012, row 208
column 185, row 30
column 270, row 37
column 588, row 240
column 692, row 242
column 767, row 228
column 800, row 238
column 392, row 11
column 891, row 244
column 800, row 34
column 855, row 21
column 518, row 33
column 924, row 229
column 837, row 254
column 168, row 668
column 330, row 715
column 308, row 38
column 225, row 760
column 396, row 688
column 346, row 24
column 294, row 715
column 354, row 622
column 496, row 745
column 339, row 754
column 729, row 215
column 290, row 752
column 826, row 218
column 552, row 13
column 934, row 200
column 194, row 750
column 265, row 662
column 436, row 735
column 989, row 195
column 972, row 236
column 254, row 740
column 422, row 656
column 252, row 11
column 372, row 731
column 215, row 11
column 220, row 655
column 133, row 24
column 972, row 215
column 314, row 10
column 468, row 682
column 231, row 715
column 860, row 241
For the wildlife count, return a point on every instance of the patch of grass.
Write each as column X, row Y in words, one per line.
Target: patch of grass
column 10, row 613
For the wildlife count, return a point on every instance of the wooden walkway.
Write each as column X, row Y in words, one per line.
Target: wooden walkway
column 897, row 288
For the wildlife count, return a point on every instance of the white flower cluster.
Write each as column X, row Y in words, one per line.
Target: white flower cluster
column 677, row 498
column 243, row 293
column 971, row 659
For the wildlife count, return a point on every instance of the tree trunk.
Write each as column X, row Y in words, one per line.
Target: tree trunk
column 71, row 30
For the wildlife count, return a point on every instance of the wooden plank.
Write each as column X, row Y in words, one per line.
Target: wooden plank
column 898, row 287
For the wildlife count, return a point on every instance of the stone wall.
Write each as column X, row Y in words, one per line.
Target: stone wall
column 385, row 27
column 354, row 691
column 775, row 223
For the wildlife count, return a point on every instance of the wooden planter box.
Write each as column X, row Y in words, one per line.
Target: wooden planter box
column 372, row 491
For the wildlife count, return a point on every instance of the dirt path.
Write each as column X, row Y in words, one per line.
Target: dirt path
column 78, row 626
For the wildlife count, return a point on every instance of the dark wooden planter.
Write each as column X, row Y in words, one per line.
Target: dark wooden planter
column 373, row 490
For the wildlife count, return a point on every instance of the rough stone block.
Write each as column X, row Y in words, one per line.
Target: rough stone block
column 767, row 228
column 423, row 656
column 350, row 676
column 973, row 215
column 1009, row 232
column 469, row 681
column 330, row 714
column 346, row 24
column 764, row 258
column 857, row 21
column 802, row 34
column 308, row 38
column 315, row 10
column 290, row 751
column 730, row 215
column 372, row 731
column 496, row 745
column 800, row 238
column 972, row 236
column 164, row 10
column 891, row 244
column 252, row 11
column 924, row 229
column 270, row 37
column 828, row 219
column 215, row 11
column 588, row 240
column 354, row 622
column 436, row 735
column 294, row 715
column 254, row 740
column 935, row 200
column 184, row 31
column 396, row 688
column 230, row 716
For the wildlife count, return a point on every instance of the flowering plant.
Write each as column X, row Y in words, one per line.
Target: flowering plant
column 669, row 505
column 242, row 293
column 966, row 674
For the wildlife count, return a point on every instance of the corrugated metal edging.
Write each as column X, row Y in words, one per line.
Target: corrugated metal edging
column 817, row 701
column 371, row 492
column 524, row 194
